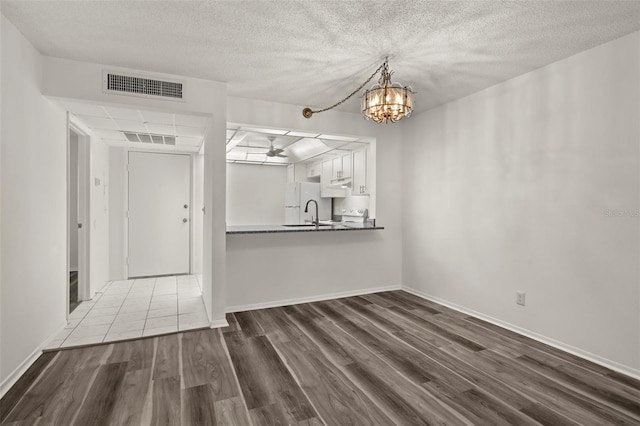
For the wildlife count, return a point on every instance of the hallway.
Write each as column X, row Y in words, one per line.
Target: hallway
column 136, row 308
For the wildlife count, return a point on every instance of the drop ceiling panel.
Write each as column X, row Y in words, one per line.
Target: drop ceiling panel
column 252, row 146
column 131, row 120
column 192, row 132
column 160, row 129
column 181, row 140
column 99, row 123
column 110, row 134
column 303, row 134
column 334, row 144
column 261, row 139
column 80, row 108
column 131, row 126
column 157, row 117
column 124, row 114
column 191, row 120
column 236, row 155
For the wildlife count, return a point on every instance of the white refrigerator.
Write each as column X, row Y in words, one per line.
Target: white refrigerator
column 295, row 198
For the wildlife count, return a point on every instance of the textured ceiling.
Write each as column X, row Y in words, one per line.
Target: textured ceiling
column 313, row 53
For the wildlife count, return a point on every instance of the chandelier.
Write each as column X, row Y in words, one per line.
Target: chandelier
column 383, row 102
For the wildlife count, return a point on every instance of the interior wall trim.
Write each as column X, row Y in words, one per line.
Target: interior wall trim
column 613, row 365
column 13, row 377
column 218, row 323
column 309, row 299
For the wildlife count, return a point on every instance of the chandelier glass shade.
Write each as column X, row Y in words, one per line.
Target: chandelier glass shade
column 387, row 101
column 384, row 102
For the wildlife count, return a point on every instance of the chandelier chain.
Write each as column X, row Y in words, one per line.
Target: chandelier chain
column 384, row 65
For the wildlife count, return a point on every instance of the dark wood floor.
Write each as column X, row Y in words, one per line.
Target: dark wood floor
column 381, row 359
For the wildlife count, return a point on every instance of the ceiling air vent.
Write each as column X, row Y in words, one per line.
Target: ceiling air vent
column 140, row 86
column 149, row 138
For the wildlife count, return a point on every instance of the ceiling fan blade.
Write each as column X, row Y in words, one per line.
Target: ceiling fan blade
column 278, row 151
column 281, row 155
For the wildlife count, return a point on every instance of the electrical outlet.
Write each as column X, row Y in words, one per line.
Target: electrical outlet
column 520, row 298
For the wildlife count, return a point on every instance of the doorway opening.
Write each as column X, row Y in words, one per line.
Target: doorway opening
column 77, row 267
column 73, row 222
column 152, row 158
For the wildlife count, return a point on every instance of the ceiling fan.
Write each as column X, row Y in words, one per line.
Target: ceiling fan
column 271, row 151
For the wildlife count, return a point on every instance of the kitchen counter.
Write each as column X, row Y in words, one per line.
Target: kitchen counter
column 267, row 229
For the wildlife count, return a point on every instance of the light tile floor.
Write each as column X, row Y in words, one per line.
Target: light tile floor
column 136, row 308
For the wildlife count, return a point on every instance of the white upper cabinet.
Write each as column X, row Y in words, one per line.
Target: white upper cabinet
column 341, row 167
column 359, row 183
column 326, row 189
column 346, row 166
column 336, row 168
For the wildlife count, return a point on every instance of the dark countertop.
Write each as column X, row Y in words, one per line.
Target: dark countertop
column 268, row 229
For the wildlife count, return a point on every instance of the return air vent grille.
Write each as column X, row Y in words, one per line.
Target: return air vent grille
column 149, row 138
column 143, row 86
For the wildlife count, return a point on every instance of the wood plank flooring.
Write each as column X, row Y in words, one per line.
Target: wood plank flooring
column 380, row 359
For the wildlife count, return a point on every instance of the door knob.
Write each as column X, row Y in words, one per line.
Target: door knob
column 184, row 220
column 186, row 206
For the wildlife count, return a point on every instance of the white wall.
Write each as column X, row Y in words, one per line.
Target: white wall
column 267, row 269
column 34, row 212
column 255, row 194
column 197, row 213
column 73, row 201
column 3, row 383
column 508, row 190
column 99, row 215
column 117, row 241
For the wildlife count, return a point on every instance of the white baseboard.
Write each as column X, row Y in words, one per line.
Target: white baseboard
column 613, row 365
column 218, row 323
column 316, row 298
column 24, row 366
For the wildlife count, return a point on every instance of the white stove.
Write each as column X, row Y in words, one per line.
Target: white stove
column 355, row 215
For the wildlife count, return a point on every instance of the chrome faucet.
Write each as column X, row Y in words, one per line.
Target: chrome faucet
column 306, row 210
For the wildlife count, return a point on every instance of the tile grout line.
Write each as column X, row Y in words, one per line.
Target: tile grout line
column 177, row 307
column 116, row 316
column 85, row 314
column 146, row 316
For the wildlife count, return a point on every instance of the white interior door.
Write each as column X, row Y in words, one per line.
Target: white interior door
column 159, row 214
